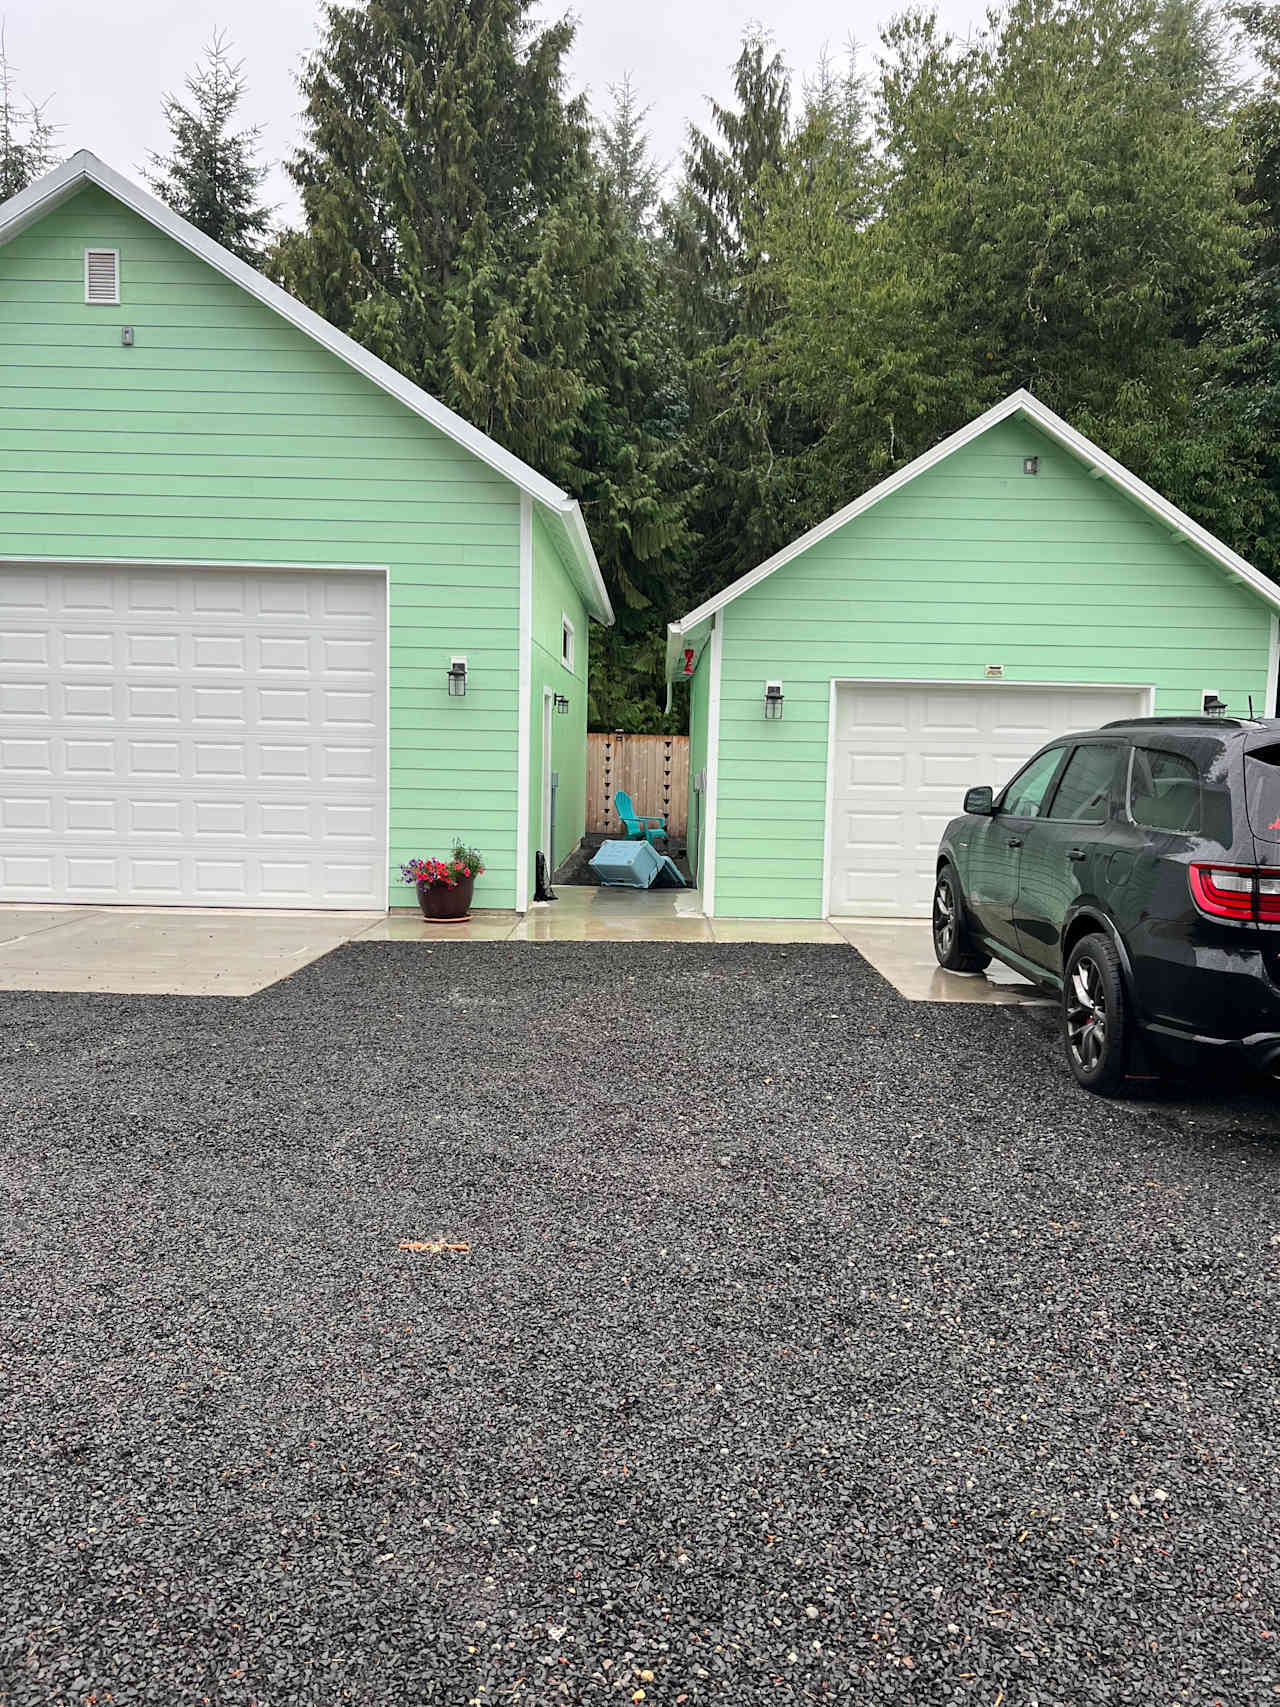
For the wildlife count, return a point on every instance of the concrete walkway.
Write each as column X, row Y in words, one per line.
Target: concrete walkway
column 182, row 951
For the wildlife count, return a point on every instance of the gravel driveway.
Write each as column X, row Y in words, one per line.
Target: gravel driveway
column 811, row 1346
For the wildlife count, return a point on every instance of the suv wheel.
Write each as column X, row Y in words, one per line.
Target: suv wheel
column 952, row 943
column 1095, row 1020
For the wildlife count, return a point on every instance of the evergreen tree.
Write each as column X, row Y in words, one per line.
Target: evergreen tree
column 27, row 138
column 630, row 174
column 212, row 176
column 708, row 229
column 457, row 223
column 708, row 220
column 1052, row 209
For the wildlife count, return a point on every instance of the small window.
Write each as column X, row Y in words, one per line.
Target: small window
column 1025, row 794
column 1262, row 791
column 566, row 642
column 102, row 275
column 1165, row 791
column 1084, row 794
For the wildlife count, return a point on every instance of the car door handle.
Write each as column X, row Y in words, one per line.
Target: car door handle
column 1077, row 854
column 1015, row 841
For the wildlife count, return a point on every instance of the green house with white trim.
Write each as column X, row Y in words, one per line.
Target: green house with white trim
column 1011, row 585
column 272, row 619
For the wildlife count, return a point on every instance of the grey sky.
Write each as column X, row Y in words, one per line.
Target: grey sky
column 103, row 68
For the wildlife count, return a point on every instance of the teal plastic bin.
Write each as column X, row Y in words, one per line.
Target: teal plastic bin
column 634, row 865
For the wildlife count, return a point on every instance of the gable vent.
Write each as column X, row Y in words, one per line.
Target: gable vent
column 102, row 275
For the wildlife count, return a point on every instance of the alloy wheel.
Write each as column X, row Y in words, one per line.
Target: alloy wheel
column 944, row 918
column 1087, row 1014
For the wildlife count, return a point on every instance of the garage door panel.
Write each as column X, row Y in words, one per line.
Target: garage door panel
column 904, row 756
column 173, row 737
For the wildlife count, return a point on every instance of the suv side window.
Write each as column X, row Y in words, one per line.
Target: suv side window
column 1084, row 794
column 1165, row 791
column 1024, row 796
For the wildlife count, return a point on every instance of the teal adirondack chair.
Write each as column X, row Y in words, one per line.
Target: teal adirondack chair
column 651, row 829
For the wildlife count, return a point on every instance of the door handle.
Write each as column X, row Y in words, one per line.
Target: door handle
column 1077, row 854
column 1015, row 841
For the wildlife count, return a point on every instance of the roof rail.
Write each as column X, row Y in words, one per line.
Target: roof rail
column 1192, row 718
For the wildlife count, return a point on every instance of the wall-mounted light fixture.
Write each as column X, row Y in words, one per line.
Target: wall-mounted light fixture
column 561, row 704
column 457, row 677
column 773, row 701
column 1031, row 465
column 1211, row 705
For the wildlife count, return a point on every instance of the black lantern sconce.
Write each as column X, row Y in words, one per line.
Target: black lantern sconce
column 561, row 705
column 1212, row 706
column 773, row 701
column 457, row 677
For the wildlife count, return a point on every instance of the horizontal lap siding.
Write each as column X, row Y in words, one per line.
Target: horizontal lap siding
column 1057, row 577
column 555, row 597
column 226, row 433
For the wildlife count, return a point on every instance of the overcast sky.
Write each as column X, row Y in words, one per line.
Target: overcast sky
column 103, row 68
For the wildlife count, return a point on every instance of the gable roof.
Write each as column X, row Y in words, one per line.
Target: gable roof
column 1023, row 404
column 83, row 168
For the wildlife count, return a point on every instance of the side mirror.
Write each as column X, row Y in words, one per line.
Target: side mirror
column 978, row 802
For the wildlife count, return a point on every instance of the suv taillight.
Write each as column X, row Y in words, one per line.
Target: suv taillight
column 1247, row 892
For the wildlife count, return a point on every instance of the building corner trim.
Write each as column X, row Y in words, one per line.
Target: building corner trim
column 524, row 713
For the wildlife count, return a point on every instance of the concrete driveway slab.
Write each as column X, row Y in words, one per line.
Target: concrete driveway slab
column 167, row 951
column 18, row 922
column 901, row 950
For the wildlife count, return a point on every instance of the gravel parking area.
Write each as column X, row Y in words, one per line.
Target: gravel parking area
column 811, row 1346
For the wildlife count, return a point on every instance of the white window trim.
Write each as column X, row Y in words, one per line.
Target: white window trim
column 569, row 633
column 99, row 301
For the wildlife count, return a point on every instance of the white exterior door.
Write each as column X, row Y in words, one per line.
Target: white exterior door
column 203, row 737
column 903, row 757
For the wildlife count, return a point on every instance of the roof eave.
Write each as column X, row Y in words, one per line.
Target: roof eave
column 1019, row 402
column 84, row 168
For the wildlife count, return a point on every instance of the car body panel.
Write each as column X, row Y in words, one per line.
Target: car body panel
column 1192, row 979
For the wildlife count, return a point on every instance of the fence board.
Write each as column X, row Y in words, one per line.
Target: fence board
column 652, row 769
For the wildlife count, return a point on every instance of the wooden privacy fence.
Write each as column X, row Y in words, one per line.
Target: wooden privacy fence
column 652, row 769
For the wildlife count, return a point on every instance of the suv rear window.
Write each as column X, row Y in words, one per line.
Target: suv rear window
column 1262, row 792
column 1165, row 791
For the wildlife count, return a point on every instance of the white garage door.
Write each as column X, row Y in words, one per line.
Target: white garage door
column 904, row 756
column 202, row 737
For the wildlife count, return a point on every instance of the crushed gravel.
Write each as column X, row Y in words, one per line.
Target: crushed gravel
column 811, row 1346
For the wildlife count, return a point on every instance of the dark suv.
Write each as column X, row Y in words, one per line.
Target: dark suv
column 1135, row 870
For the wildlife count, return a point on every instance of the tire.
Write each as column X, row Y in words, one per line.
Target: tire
column 953, row 947
column 1097, row 1030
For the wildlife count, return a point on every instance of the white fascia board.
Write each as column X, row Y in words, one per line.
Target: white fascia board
column 580, row 560
column 83, row 168
column 680, row 635
column 1021, row 403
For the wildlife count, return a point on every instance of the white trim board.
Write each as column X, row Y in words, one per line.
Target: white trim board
column 1273, row 669
column 992, row 684
column 1053, row 426
column 83, row 168
column 246, row 564
column 711, row 794
column 524, row 710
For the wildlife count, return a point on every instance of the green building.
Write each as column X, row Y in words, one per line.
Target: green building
column 1009, row 586
column 246, row 571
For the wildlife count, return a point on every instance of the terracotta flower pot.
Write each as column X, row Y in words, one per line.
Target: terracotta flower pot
column 446, row 903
